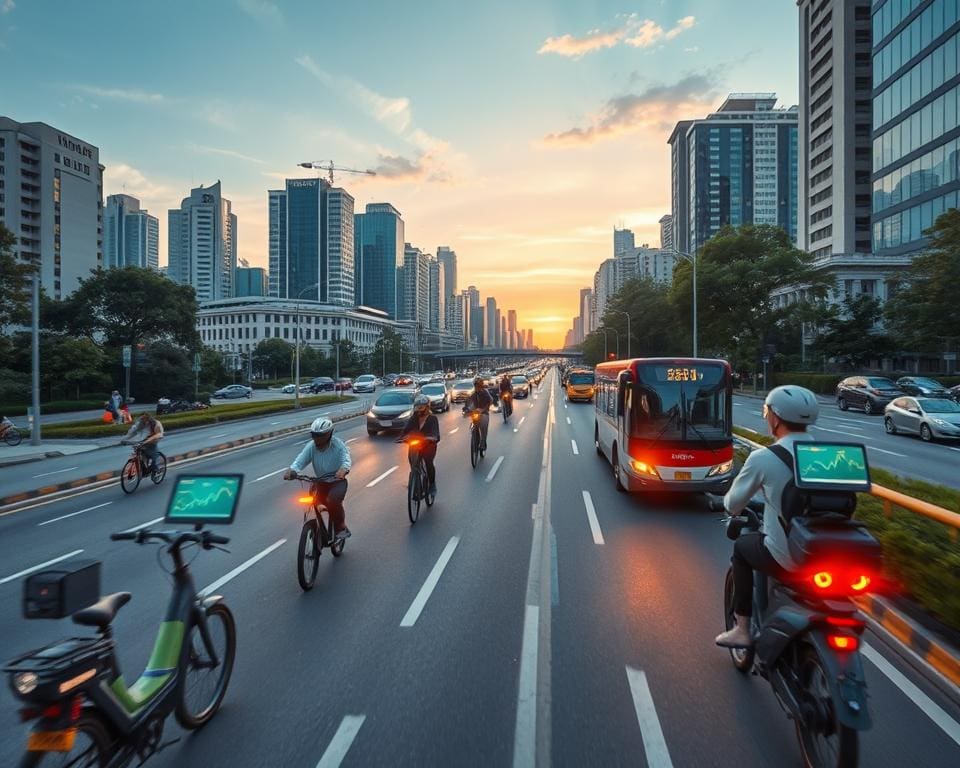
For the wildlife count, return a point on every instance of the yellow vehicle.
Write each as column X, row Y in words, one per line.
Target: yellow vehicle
column 580, row 385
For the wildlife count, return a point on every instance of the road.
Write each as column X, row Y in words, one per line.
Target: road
column 618, row 619
column 902, row 454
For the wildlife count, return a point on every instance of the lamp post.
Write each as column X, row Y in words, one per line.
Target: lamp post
column 621, row 312
column 692, row 258
column 296, row 377
column 615, row 335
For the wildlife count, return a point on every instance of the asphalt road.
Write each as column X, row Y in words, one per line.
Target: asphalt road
column 602, row 652
column 908, row 456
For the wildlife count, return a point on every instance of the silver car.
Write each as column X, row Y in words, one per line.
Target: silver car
column 365, row 383
column 438, row 396
column 929, row 417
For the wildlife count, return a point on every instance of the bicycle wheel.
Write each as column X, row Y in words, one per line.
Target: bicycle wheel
column 12, row 436
column 130, row 475
column 308, row 555
column 91, row 747
column 159, row 469
column 474, row 447
column 203, row 684
column 414, row 493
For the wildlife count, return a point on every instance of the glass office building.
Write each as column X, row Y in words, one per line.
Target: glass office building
column 916, row 125
column 378, row 254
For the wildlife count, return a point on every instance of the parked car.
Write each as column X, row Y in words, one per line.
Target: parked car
column 921, row 386
column 461, row 390
column 365, row 383
column 438, row 396
column 521, row 386
column 322, row 384
column 929, row 417
column 390, row 411
column 343, row 384
column 234, row 391
column 871, row 393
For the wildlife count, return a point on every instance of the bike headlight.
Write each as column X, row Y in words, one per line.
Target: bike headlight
column 720, row 469
column 25, row 683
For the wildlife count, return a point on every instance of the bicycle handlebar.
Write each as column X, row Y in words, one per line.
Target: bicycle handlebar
column 206, row 539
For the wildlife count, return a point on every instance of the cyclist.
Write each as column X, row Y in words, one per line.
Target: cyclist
column 506, row 388
column 425, row 424
column 480, row 400
column 788, row 411
column 154, row 429
column 330, row 457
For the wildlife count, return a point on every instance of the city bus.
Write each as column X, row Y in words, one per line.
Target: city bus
column 665, row 424
column 580, row 384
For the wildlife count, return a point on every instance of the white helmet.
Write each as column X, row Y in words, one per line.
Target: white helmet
column 321, row 426
column 797, row 405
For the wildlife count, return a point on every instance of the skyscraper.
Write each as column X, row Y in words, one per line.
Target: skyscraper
column 511, row 329
column 414, row 285
column 604, row 286
column 477, row 327
column 529, row 338
column 202, row 243
column 438, row 293
column 666, row 232
column 250, row 281
column 623, row 241
column 449, row 260
column 680, row 187
column 130, row 235
column 503, row 332
column 53, row 184
column 492, row 321
column 474, row 295
column 741, row 168
column 586, row 301
column 378, row 253
column 312, row 242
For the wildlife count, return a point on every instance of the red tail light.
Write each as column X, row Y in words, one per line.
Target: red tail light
column 843, row 642
column 843, row 621
column 860, row 582
column 75, row 708
column 414, row 443
column 823, row 579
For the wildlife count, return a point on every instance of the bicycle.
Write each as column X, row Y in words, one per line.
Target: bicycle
column 10, row 434
column 506, row 406
column 418, row 485
column 136, row 467
column 476, row 447
column 85, row 713
column 315, row 535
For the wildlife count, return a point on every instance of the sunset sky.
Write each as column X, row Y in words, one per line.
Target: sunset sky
column 519, row 134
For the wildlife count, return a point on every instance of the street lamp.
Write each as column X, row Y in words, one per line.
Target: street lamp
column 621, row 312
column 692, row 258
column 615, row 335
column 296, row 378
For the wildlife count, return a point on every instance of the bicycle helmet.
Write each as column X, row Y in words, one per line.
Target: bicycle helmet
column 796, row 405
column 321, row 431
column 421, row 403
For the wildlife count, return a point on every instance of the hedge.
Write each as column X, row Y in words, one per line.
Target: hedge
column 172, row 422
column 919, row 556
column 57, row 406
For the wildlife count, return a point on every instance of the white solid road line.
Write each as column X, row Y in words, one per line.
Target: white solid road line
column 525, row 739
column 385, row 474
column 214, row 437
column 55, row 472
column 884, row 450
column 143, row 525
column 838, row 432
column 576, row 451
column 271, row 474
column 454, row 430
column 592, row 518
column 493, row 471
column 74, row 514
column 924, row 703
column 39, row 567
column 341, row 741
column 416, row 607
column 240, row 569
column 655, row 746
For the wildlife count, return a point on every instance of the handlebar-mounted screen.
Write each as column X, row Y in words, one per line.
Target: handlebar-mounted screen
column 831, row 467
column 204, row 499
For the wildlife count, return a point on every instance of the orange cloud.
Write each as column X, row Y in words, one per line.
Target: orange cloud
column 633, row 31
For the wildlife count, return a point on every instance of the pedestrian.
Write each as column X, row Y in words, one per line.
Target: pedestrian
column 125, row 414
column 113, row 405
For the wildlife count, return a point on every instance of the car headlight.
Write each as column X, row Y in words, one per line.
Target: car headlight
column 371, row 414
column 720, row 469
column 405, row 414
column 942, row 423
column 25, row 683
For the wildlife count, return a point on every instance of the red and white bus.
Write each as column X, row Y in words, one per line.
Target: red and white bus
column 666, row 423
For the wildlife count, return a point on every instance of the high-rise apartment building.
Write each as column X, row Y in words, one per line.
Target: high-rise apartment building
column 312, row 242
column 414, row 286
column 474, row 295
column 131, row 236
column 448, row 258
column 378, row 236
column 623, row 241
column 503, row 331
column 438, row 296
column 604, row 287
column 529, row 338
column 202, row 243
column 680, row 186
column 741, row 168
column 492, row 317
column 666, row 232
column 586, row 307
column 250, row 281
column 51, row 196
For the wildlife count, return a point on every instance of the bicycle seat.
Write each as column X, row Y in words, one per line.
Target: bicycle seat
column 102, row 612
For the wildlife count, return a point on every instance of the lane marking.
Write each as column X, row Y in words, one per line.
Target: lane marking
column 341, row 741
column 275, row 422
column 350, row 440
column 496, row 466
column 74, row 514
column 522, row 419
column 519, row 424
column 143, row 525
column 576, row 451
column 592, row 518
column 55, row 472
column 25, row 571
column 568, row 420
column 214, row 437
column 554, row 570
column 839, row 432
column 923, row 702
column 655, row 746
column 240, row 569
column 454, row 430
column 884, row 450
column 385, row 474
column 525, row 739
column 271, row 474
column 416, row 607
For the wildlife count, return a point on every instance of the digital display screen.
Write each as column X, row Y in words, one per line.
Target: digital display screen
column 684, row 374
column 836, row 466
column 204, row 499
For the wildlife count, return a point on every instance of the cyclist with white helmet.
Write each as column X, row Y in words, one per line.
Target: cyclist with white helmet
column 425, row 425
column 788, row 411
column 330, row 458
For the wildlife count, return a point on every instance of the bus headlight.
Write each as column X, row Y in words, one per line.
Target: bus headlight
column 720, row 469
column 644, row 469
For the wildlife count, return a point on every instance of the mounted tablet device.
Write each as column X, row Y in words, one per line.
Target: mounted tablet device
column 204, row 499
column 831, row 467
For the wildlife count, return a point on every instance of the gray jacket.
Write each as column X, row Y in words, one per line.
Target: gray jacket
column 326, row 462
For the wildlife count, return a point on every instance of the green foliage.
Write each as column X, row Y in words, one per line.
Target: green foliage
column 89, row 403
column 821, row 383
column 851, row 337
column 15, row 279
column 72, row 365
column 272, row 357
column 387, row 352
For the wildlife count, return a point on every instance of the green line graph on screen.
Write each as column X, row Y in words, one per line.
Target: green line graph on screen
column 209, row 497
column 836, row 463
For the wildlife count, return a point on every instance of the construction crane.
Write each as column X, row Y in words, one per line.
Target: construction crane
column 329, row 167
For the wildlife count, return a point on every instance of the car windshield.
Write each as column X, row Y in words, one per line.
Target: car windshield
column 519, row 380
column 365, row 377
column 928, row 383
column 433, row 389
column 463, row 385
column 581, row 378
column 933, row 405
column 395, row 398
column 878, row 383
column 680, row 403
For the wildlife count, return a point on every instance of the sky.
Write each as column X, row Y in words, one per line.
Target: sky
column 519, row 134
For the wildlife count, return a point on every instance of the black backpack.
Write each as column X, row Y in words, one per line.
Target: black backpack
column 817, row 506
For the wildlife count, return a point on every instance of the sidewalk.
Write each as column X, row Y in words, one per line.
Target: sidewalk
column 48, row 449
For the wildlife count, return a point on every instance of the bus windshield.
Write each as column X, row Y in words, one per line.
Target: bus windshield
column 581, row 377
column 681, row 403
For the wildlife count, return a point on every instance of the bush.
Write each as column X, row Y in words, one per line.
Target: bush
column 822, row 383
column 58, row 406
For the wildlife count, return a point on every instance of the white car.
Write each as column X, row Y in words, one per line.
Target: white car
column 365, row 383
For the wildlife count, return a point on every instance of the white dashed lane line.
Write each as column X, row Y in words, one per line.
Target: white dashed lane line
column 385, row 474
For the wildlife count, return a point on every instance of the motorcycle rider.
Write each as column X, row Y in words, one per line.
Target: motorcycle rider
column 480, row 400
column 331, row 462
column 788, row 411
column 506, row 388
column 425, row 424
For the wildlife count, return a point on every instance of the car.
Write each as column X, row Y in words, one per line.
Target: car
column 423, row 379
column 343, row 384
column 438, row 396
column 871, row 393
column 521, row 386
column 403, row 380
column 288, row 389
column 921, row 386
column 461, row 390
column 931, row 418
column 234, row 391
column 450, row 376
column 365, row 383
column 436, row 376
column 390, row 411
column 322, row 384
column 955, row 393
column 390, row 379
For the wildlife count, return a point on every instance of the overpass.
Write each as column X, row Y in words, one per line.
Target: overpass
column 477, row 354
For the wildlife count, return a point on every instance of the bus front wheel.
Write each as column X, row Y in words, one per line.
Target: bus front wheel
column 616, row 471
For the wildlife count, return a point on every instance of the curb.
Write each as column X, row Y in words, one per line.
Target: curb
column 47, row 490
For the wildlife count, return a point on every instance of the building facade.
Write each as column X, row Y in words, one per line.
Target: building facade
column 492, row 319
column 623, row 241
column 131, row 236
column 448, row 258
column 680, row 186
column 477, row 327
column 250, row 281
column 277, row 272
column 414, row 286
column 202, row 243
column 604, row 287
column 378, row 254
column 51, row 198
column 511, row 329
column 666, row 232
column 438, row 297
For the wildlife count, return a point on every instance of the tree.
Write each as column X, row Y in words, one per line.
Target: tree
column 272, row 357
column 351, row 361
column 168, row 372
column 387, row 353
column 852, row 336
column 74, row 365
column 15, row 278
column 923, row 311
